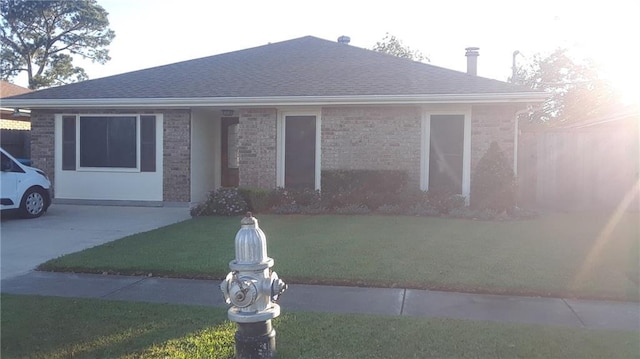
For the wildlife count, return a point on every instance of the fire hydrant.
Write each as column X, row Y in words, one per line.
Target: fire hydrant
column 252, row 289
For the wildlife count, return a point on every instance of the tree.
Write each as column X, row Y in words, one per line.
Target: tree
column 41, row 38
column 577, row 90
column 493, row 184
column 392, row 46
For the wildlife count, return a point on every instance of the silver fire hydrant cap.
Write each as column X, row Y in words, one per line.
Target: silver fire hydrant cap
column 248, row 219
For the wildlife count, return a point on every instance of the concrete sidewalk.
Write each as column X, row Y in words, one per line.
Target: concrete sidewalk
column 314, row 298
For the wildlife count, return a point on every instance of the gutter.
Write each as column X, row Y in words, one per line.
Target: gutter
column 523, row 97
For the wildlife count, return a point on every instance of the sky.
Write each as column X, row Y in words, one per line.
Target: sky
column 157, row 32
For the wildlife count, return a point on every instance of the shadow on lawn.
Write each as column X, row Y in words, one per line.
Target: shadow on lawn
column 51, row 327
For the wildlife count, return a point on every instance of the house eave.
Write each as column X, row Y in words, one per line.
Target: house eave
column 522, row 97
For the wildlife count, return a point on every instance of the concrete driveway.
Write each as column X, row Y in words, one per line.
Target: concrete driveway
column 64, row 229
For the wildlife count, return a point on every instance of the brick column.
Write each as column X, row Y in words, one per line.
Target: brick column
column 43, row 141
column 176, row 186
column 257, row 148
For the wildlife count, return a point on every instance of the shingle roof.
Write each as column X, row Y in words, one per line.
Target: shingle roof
column 306, row 66
column 8, row 89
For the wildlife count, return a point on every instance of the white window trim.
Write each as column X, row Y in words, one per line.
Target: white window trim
column 138, row 144
column 466, row 150
column 280, row 142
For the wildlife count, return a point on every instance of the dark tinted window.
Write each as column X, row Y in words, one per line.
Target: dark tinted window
column 148, row 143
column 69, row 143
column 108, row 141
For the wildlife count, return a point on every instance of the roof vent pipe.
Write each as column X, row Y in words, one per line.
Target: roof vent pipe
column 344, row 39
column 472, row 60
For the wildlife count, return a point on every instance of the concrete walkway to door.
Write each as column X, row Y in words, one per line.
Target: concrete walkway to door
column 66, row 228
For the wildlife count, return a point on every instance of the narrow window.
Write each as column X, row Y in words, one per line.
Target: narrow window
column 232, row 146
column 148, row 143
column 69, row 143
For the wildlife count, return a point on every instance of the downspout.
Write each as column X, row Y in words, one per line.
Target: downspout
column 515, row 140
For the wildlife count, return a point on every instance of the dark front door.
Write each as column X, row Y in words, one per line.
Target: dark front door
column 229, row 151
column 446, row 153
column 300, row 152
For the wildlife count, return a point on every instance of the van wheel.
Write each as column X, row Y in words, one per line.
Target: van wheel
column 33, row 203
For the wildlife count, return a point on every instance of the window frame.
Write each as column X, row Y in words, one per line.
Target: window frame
column 139, row 140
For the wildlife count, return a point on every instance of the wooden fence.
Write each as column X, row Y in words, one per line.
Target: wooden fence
column 16, row 142
column 590, row 168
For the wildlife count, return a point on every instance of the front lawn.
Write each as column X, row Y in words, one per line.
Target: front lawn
column 49, row 327
column 571, row 255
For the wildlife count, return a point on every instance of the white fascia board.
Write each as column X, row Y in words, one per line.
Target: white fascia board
column 527, row 97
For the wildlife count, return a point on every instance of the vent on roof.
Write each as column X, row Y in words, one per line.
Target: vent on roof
column 344, row 39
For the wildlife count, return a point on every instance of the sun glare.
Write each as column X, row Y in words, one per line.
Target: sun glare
column 626, row 84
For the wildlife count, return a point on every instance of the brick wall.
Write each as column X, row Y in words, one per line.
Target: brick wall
column 43, row 141
column 257, row 147
column 372, row 138
column 176, row 186
column 492, row 123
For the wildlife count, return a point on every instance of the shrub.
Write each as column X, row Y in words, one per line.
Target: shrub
column 444, row 201
column 422, row 209
column 372, row 188
column 306, row 197
column 493, row 183
column 223, row 202
column 464, row 212
column 258, row 199
column 521, row 213
column 280, row 197
column 353, row 209
column 290, row 208
column 307, row 201
column 389, row 209
column 487, row 214
column 366, row 180
column 313, row 209
column 410, row 197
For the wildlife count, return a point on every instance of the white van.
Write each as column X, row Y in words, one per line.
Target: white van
column 24, row 188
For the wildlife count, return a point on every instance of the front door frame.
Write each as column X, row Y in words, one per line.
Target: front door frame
column 229, row 176
column 280, row 142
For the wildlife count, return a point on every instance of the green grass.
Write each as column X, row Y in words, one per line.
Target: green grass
column 49, row 327
column 571, row 255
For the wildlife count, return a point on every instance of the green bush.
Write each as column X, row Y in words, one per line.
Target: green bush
column 422, row 210
column 258, row 199
column 304, row 201
column 410, row 197
column 353, row 209
column 222, row 202
column 371, row 188
column 493, row 183
column 389, row 209
column 464, row 212
column 444, row 201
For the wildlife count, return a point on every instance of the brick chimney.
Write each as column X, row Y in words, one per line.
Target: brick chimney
column 472, row 60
